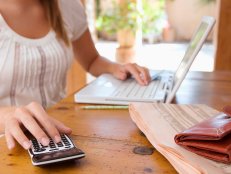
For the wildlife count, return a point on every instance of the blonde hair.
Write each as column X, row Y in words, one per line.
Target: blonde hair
column 55, row 19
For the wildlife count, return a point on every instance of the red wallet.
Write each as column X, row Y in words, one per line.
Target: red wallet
column 210, row 138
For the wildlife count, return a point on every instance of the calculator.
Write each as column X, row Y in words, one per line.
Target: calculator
column 54, row 152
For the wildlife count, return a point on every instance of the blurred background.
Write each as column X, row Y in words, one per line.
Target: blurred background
column 152, row 33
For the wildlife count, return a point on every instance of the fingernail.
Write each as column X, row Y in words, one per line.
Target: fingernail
column 45, row 141
column 26, row 145
column 57, row 139
column 10, row 146
column 68, row 129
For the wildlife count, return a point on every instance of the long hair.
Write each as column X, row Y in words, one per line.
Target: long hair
column 55, row 19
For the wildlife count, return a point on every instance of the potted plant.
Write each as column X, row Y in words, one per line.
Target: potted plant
column 129, row 20
column 122, row 20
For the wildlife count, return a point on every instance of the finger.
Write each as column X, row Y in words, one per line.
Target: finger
column 9, row 140
column 122, row 75
column 144, row 73
column 61, row 127
column 132, row 68
column 16, row 132
column 43, row 118
column 120, row 72
column 31, row 125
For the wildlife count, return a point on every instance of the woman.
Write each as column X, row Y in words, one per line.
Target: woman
column 38, row 39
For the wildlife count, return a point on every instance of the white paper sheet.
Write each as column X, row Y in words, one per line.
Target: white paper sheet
column 161, row 122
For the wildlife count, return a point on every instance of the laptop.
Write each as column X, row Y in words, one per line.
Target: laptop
column 106, row 89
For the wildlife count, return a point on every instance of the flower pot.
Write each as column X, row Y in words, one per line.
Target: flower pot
column 126, row 38
column 125, row 55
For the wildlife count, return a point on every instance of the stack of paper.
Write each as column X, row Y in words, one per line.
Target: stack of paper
column 161, row 122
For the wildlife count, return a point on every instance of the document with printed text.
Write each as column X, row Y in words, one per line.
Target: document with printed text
column 161, row 122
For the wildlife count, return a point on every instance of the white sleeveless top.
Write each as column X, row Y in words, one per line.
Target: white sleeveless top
column 35, row 69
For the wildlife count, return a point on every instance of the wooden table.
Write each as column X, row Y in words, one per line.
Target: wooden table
column 108, row 137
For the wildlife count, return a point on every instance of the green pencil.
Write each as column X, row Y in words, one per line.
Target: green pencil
column 92, row 107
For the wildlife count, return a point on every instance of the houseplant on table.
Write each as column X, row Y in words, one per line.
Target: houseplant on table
column 122, row 19
column 129, row 20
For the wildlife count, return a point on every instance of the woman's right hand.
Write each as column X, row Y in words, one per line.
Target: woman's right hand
column 33, row 118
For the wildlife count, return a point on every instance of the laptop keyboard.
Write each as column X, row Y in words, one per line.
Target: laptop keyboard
column 131, row 89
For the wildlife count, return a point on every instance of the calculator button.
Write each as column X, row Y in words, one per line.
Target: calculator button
column 60, row 144
column 52, row 145
column 67, row 144
column 67, row 147
column 39, row 150
column 53, row 149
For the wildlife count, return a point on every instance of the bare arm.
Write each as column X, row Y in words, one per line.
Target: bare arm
column 87, row 55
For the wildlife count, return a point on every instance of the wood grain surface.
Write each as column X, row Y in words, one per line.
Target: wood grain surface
column 223, row 36
column 108, row 137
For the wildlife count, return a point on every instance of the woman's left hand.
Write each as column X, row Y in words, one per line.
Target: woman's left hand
column 141, row 74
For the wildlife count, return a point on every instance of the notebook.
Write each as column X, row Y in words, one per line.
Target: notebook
column 106, row 89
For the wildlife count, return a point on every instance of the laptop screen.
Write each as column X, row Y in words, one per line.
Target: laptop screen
column 196, row 39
